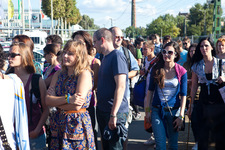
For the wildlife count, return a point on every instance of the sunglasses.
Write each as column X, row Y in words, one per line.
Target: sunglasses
column 13, row 55
column 168, row 52
column 119, row 37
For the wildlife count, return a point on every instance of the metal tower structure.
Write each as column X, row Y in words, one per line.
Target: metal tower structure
column 217, row 12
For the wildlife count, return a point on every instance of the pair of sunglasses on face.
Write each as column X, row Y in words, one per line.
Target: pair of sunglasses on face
column 13, row 55
column 164, row 52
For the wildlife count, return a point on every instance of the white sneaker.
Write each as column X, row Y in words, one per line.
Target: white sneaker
column 150, row 141
column 195, row 147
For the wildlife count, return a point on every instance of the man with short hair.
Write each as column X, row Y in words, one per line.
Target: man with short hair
column 166, row 39
column 138, row 44
column 156, row 40
column 183, row 53
column 186, row 43
column 112, row 104
column 54, row 39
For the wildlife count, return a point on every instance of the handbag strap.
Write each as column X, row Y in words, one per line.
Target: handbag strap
column 166, row 103
column 5, row 143
column 220, row 67
column 152, row 63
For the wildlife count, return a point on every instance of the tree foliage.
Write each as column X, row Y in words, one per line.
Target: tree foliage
column 88, row 23
column 62, row 9
column 132, row 32
column 200, row 20
column 165, row 25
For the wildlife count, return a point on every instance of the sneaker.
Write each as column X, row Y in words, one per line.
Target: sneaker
column 195, row 147
column 150, row 141
column 137, row 116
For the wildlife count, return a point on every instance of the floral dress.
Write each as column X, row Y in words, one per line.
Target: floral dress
column 71, row 130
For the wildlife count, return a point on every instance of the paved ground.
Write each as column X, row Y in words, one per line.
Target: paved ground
column 137, row 136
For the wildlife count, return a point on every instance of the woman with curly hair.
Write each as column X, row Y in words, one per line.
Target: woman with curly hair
column 70, row 92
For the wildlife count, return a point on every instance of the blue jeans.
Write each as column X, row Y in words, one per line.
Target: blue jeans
column 160, row 129
column 103, row 119
column 38, row 143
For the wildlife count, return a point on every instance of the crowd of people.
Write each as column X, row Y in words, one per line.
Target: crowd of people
column 87, row 84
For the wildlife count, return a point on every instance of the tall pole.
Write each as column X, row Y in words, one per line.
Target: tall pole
column 133, row 14
column 23, row 21
column 52, row 28
column 111, row 22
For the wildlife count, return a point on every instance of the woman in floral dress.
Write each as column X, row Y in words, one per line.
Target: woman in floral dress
column 70, row 91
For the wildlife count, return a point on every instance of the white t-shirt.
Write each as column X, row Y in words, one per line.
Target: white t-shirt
column 169, row 89
column 7, row 110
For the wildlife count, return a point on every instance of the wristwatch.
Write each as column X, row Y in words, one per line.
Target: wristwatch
column 112, row 116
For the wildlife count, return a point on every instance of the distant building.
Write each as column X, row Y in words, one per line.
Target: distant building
column 16, row 23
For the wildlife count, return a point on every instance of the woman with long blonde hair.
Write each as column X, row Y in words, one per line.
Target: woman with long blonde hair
column 70, row 92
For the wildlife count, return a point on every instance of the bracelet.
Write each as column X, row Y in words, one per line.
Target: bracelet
column 147, row 109
column 181, row 117
column 68, row 98
column 112, row 116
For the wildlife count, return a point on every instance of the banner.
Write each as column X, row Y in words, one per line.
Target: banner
column 19, row 8
column 10, row 9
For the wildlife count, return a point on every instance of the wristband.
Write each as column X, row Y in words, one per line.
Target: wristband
column 112, row 116
column 181, row 117
column 68, row 98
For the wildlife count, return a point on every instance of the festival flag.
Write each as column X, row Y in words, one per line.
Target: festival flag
column 42, row 15
column 19, row 8
column 10, row 9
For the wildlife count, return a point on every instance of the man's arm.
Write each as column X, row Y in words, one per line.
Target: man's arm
column 134, row 66
column 120, row 80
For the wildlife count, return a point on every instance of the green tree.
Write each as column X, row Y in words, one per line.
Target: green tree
column 88, row 23
column 131, row 32
column 181, row 24
column 73, row 14
column 58, row 8
column 167, row 25
column 200, row 20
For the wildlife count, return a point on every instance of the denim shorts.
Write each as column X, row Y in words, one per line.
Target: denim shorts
column 38, row 143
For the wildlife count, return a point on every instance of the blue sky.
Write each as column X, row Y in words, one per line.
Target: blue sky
column 119, row 11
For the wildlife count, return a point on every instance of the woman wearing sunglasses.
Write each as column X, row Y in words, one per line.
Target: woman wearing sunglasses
column 28, row 41
column 13, row 113
column 21, row 63
column 166, row 97
column 207, row 73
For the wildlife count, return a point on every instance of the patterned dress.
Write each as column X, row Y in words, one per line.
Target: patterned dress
column 71, row 130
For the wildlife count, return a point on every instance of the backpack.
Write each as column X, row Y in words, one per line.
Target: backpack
column 34, row 90
column 126, row 53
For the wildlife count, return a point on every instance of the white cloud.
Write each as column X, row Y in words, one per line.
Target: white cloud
column 146, row 10
column 104, row 6
column 171, row 11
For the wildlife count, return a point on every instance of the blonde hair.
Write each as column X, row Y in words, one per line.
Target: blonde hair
column 149, row 44
column 222, row 40
column 81, row 61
